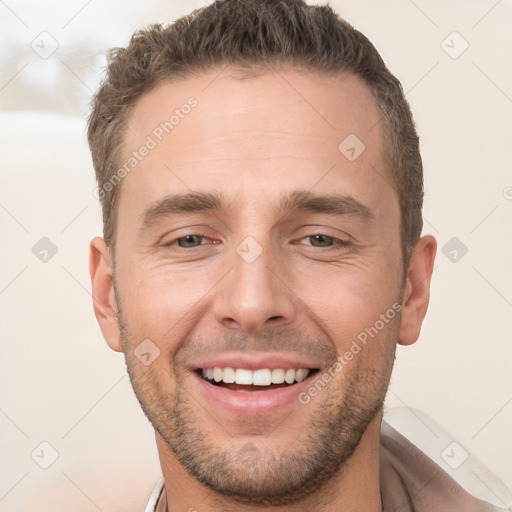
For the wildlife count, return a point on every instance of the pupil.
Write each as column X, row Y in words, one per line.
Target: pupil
column 188, row 240
column 322, row 240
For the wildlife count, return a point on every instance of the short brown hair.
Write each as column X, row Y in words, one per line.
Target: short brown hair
column 252, row 34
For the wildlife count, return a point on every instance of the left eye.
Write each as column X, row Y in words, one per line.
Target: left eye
column 189, row 240
column 322, row 241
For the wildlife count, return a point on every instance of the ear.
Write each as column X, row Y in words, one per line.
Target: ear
column 417, row 289
column 104, row 301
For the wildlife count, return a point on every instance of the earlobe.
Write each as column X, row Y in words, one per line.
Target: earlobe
column 417, row 290
column 104, row 301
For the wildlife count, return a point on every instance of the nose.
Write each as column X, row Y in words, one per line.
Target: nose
column 254, row 296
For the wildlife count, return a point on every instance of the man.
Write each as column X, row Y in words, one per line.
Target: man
column 261, row 186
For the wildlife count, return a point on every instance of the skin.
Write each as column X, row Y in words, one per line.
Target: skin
column 256, row 141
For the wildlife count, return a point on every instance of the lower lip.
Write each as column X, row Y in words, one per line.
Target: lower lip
column 253, row 402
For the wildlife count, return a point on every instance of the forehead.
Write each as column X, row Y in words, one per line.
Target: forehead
column 251, row 137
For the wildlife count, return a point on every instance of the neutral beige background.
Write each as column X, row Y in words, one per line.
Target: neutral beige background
column 60, row 384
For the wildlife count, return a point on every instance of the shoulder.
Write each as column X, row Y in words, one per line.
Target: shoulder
column 424, row 469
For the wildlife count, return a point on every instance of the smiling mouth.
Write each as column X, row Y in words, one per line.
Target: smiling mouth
column 245, row 380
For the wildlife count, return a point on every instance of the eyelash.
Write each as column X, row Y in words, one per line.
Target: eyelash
column 338, row 243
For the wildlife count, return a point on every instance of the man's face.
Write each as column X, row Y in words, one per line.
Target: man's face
column 259, row 275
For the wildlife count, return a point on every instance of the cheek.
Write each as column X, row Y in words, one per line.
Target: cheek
column 162, row 303
column 345, row 300
column 366, row 359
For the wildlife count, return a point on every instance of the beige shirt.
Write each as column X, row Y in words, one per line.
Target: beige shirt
column 409, row 480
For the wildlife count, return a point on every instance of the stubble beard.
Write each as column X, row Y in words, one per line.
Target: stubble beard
column 250, row 475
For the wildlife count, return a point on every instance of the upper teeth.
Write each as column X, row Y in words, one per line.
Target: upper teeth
column 263, row 377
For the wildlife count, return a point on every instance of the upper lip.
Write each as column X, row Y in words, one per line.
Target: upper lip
column 255, row 362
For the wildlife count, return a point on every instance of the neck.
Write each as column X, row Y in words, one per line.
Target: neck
column 354, row 488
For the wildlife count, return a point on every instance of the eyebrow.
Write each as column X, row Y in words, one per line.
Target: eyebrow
column 180, row 204
column 300, row 200
column 332, row 204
